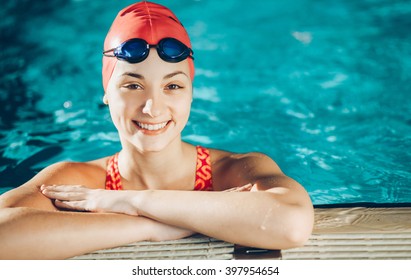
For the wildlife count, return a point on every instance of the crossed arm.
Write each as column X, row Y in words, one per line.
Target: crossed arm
column 256, row 219
column 28, row 233
column 276, row 214
column 31, row 227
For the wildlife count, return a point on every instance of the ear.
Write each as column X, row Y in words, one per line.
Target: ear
column 105, row 99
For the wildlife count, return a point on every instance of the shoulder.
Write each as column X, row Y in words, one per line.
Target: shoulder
column 81, row 173
column 234, row 169
column 234, row 160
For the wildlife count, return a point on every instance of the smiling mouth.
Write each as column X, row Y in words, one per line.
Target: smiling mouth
column 151, row 127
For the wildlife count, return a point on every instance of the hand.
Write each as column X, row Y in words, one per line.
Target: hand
column 81, row 198
column 246, row 188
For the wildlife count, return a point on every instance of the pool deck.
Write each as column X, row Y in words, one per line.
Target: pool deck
column 354, row 231
column 358, row 233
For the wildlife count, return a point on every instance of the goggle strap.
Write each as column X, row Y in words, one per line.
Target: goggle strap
column 107, row 51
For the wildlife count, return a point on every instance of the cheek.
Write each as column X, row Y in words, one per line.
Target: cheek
column 183, row 109
column 120, row 101
column 121, row 108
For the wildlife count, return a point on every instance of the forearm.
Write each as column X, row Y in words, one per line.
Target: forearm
column 258, row 219
column 27, row 233
column 275, row 218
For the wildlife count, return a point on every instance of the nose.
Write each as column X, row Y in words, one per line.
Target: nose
column 153, row 107
column 147, row 107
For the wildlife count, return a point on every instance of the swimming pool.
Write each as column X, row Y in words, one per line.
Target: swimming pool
column 320, row 86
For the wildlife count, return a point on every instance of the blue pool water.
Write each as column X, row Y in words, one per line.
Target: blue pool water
column 323, row 87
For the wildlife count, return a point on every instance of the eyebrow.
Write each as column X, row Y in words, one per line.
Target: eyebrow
column 135, row 75
column 141, row 77
column 168, row 76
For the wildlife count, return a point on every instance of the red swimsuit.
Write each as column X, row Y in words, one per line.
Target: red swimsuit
column 203, row 180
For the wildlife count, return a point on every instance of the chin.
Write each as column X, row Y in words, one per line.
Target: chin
column 153, row 144
column 149, row 147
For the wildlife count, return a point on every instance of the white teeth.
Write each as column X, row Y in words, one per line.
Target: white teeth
column 152, row 126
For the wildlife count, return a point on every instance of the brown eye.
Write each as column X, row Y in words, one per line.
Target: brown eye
column 173, row 87
column 133, row 86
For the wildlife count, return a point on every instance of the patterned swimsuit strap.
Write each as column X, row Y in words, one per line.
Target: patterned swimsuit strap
column 113, row 179
column 203, row 180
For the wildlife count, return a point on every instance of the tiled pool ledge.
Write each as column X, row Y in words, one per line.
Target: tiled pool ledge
column 349, row 231
column 358, row 231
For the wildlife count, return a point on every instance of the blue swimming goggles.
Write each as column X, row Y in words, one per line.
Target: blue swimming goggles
column 136, row 50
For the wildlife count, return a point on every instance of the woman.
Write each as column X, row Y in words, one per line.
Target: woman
column 169, row 188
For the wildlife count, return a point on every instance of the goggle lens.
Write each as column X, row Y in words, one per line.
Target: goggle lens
column 174, row 50
column 132, row 51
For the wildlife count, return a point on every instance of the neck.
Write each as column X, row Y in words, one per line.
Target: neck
column 156, row 170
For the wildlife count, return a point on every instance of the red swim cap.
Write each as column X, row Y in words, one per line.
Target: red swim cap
column 145, row 20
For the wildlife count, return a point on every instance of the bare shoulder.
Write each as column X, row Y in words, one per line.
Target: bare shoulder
column 90, row 174
column 235, row 169
column 249, row 161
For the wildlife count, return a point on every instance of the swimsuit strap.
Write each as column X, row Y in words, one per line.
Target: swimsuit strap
column 113, row 179
column 203, row 181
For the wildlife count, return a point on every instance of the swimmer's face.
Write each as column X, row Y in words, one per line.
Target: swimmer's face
column 150, row 101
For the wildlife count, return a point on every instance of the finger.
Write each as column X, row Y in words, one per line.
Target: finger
column 64, row 188
column 236, row 189
column 248, row 187
column 64, row 195
column 70, row 205
column 244, row 188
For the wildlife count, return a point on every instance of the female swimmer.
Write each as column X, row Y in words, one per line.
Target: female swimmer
column 169, row 189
